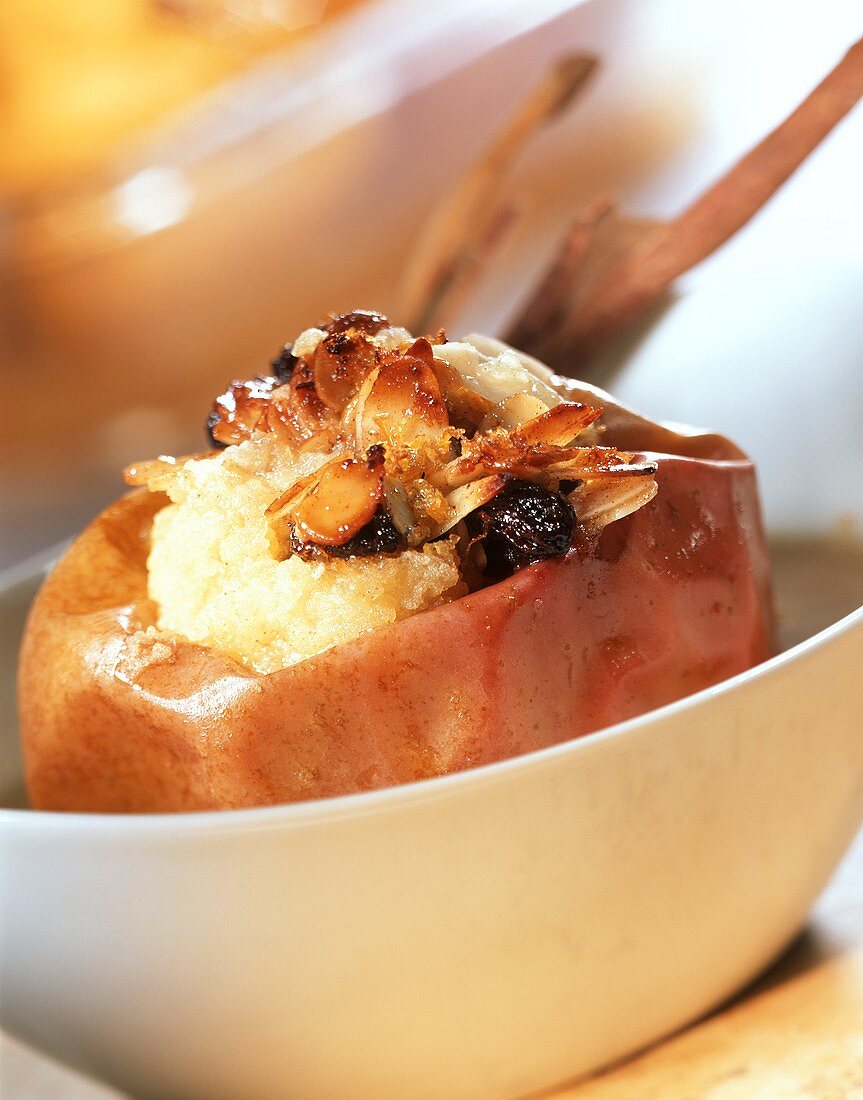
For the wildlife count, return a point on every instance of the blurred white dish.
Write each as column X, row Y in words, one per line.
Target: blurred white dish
column 495, row 932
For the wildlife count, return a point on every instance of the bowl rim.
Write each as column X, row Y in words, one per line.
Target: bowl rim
column 365, row 803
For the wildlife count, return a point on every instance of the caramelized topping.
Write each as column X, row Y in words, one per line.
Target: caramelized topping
column 407, row 450
column 364, row 321
column 240, row 411
column 466, row 407
column 302, row 400
column 468, row 498
column 513, row 411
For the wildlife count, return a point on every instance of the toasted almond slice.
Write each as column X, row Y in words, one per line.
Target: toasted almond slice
column 466, row 499
column 341, row 503
column 241, row 410
column 467, row 408
column 399, row 508
column 600, row 501
column 500, row 453
column 332, row 504
column 512, row 412
column 596, row 462
column 403, row 403
column 353, row 417
column 421, row 348
column 339, row 364
column 293, row 495
column 558, row 426
column 158, row 473
column 495, row 453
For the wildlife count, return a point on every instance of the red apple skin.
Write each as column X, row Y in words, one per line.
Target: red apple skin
column 670, row 600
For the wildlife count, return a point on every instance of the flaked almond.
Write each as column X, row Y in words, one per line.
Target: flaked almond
column 600, row 501
column 599, row 461
column 500, row 452
column 335, row 503
column 513, row 412
column 421, row 349
column 339, row 364
column 579, row 463
column 281, row 507
column 467, row 408
column 158, row 473
column 467, row 498
column 401, row 403
column 300, row 420
column 559, row 426
column 399, row 508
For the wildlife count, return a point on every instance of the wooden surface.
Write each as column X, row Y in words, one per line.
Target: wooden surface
column 797, row 1034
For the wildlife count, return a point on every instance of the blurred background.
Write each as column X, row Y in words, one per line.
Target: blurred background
column 185, row 184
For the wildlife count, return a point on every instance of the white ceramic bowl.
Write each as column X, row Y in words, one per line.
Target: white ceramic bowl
column 491, row 933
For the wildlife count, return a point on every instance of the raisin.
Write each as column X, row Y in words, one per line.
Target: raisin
column 522, row 525
column 282, row 366
column 379, row 536
column 213, row 421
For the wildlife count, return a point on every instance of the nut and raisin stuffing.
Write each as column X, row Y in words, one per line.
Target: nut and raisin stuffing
column 368, row 476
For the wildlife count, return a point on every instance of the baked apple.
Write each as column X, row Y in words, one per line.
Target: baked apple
column 403, row 557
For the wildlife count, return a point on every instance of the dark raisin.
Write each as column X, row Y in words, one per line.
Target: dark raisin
column 282, row 366
column 379, row 536
column 522, row 525
column 375, row 456
column 213, row 421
